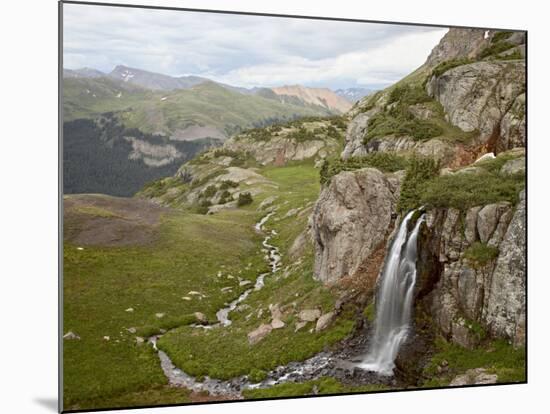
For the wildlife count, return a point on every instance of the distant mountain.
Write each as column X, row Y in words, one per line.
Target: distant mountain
column 82, row 73
column 354, row 94
column 323, row 97
column 152, row 80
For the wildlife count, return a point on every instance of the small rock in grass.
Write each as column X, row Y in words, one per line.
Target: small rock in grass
column 277, row 324
column 71, row 335
column 299, row 325
column 106, row 338
column 80, row 248
column 139, row 340
column 186, row 298
column 130, row 310
column 259, row 333
column 132, row 330
column 244, row 282
column 309, row 315
column 324, row 321
column 201, row 317
column 194, row 292
column 159, row 315
column 230, row 277
column 226, row 289
column 475, row 376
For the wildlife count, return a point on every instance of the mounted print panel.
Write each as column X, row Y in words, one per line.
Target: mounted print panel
column 261, row 206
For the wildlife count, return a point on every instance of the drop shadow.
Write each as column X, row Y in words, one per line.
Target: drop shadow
column 49, row 403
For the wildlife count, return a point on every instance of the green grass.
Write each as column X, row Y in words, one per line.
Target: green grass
column 480, row 254
column 419, row 171
column 321, row 386
column 463, row 191
column 101, row 283
column 384, row 161
column 370, row 312
column 448, row 65
column 497, row 357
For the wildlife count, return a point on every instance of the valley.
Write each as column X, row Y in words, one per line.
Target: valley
column 258, row 260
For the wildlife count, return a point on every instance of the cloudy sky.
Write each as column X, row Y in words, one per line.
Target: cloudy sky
column 244, row 50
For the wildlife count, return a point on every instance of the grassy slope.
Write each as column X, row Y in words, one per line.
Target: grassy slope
column 225, row 353
column 101, row 283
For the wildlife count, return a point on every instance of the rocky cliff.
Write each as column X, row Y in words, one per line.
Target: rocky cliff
column 472, row 272
column 466, row 99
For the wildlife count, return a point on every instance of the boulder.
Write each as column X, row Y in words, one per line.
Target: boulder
column 139, row 340
column 351, row 219
column 299, row 325
column 355, row 133
column 324, row 321
column 309, row 315
column 259, row 333
column 486, row 97
column 474, row 377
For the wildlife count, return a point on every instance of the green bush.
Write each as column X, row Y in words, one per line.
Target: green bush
column 225, row 197
column 400, row 124
column 244, row 199
column 208, row 191
column 257, row 375
column 408, row 95
column 448, row 65
column 494, row 49
column 202, row 208
column 384, row 161
column 466, row 190
column 480, row 254
column 419, row 171
column 501, row 36
column 302, row 135
column 228, row 184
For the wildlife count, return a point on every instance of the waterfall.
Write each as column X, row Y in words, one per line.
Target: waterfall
column 394, row 301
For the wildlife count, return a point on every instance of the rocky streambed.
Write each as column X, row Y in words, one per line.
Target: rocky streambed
column 340, row 364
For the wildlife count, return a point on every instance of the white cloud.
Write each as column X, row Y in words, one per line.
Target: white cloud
column 244, row 50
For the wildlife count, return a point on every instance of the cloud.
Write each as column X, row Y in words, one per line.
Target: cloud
column 244, row 50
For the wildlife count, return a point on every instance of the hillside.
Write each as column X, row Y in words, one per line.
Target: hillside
column 315, row 96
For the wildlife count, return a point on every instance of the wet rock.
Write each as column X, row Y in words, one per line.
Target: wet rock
column 201, row 317
column 71, row 336
column 309, row 315
column 324, row 321
column 474, row 376
column 277, row 324
column 259, row 333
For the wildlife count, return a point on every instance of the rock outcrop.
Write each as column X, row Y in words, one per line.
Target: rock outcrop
column 471, row 294
column 351, row 220
column 279, row 150
column 488, row 97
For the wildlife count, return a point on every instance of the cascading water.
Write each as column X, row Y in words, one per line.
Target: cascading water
column 394, row 301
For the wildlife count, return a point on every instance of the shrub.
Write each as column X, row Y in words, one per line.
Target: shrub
column 225, row 197
column 202, row 208
column 501, row 36
column 302, row 135
column 419, row 171
column 228, row 184
column 384, row 161
column 495, row 49
column 208, row 191
column 408, row 95
column 466, row 190
column 244, row 199
column 257, row 375
column 400, row 123
column 480, row 254
column 448, row 65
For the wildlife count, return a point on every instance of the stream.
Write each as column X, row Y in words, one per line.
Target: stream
column 344, row 363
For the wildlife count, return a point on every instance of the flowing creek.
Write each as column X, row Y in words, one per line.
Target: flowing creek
column 344, row 363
